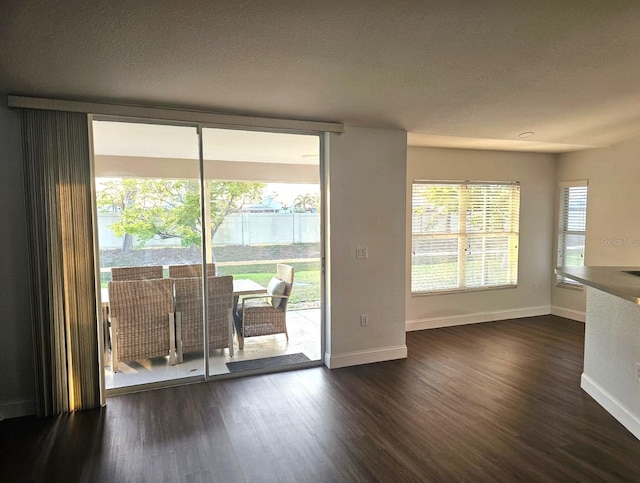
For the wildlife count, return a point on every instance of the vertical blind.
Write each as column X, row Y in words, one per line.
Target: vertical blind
column 63, row 281
column 572, row 225
column 464, row 235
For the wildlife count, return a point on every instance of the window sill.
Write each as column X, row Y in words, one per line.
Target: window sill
column 462, row 290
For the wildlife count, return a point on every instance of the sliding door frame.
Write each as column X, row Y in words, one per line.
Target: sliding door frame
column 102, row 350
column 199, row 126
column 323, row 216
column 101, row 335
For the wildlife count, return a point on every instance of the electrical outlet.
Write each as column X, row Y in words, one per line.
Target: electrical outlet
column 364, row 320
column 362, row 252
column 638, row 371
column 535, row 286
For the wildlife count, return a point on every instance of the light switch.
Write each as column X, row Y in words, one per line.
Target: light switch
column 362, row 252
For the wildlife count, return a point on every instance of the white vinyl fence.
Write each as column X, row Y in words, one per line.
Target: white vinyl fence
column 236, row 229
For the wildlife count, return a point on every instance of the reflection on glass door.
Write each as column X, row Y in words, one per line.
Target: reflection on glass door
column 262, row 220
column 147, row 183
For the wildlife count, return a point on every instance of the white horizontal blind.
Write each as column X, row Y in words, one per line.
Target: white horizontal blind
column 572, row 227
column 435, row 237
column 464, row 235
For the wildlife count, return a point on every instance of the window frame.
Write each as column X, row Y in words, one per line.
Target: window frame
column 563, row 231
column 463, row 236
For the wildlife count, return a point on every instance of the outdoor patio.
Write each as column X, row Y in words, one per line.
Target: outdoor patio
column 304, row 337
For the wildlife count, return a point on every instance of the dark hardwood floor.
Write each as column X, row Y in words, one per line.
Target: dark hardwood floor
column 499, row 401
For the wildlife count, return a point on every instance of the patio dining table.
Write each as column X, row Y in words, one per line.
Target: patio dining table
column 241, row 286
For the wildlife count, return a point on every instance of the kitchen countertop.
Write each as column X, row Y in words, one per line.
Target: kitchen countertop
column 611, row 280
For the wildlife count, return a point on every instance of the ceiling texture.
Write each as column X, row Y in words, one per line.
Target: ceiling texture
column 472, row 73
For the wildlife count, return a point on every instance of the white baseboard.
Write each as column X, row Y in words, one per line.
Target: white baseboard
column 365, row 357
column 568, row 313
column 611, row 404
column 16, row 409
column 475, row 318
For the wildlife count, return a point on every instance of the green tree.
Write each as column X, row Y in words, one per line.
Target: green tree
column 443, row 198
column 436, row 207
column 228, row 197
column 306, row 203
column 487, row 206
column 116, row 198
column 171, row 208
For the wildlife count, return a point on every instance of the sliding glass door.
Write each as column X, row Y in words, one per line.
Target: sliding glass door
column 148, row 197
column 184, row 211
column 262, row 219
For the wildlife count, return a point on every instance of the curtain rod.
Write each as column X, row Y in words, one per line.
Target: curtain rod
column 171, row 114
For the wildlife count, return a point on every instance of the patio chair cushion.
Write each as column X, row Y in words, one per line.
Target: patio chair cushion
column 276, row 287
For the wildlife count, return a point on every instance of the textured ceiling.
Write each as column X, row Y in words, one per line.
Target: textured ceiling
column 452, row 70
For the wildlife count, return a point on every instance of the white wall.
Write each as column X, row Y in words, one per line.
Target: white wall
column 612, row 210
column 611, row 351
column 17, row 386
column 366, row 185
column 536, row 173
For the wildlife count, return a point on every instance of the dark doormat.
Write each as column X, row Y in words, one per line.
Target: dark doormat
column 267, row 362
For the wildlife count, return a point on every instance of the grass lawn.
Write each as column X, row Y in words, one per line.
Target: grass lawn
column 236, row 261
column 306, row 286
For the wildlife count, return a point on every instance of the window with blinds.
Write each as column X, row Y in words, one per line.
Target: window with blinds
column 464, row 235
column 572, row 225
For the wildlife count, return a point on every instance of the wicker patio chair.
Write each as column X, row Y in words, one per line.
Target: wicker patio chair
column 142, row 320
column 257, row 316
column 119, row 274
column 188, row 271
column 189, row 305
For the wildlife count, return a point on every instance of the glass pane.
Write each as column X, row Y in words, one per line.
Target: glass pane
column 488, row 261
column 490, row 208
column 436, row 208
column 486, row 218
column 148, row 202
column 573, row 250
column 572, row 218
column 263, row 202
column 434, row 264
column 576, row 208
